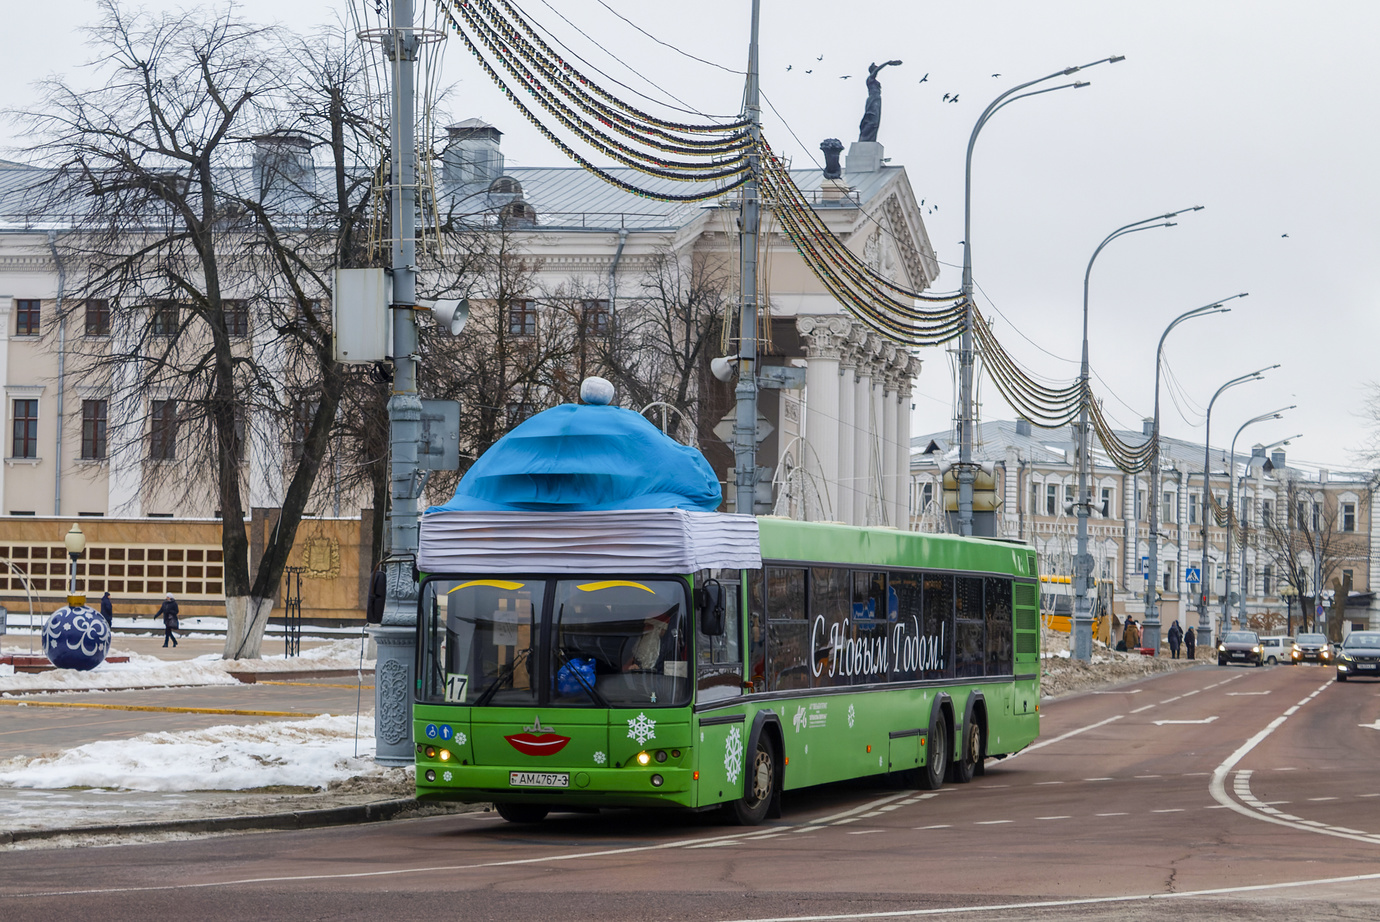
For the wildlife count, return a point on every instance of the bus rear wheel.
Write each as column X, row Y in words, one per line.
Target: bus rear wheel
column 523, row 813
column 937, row 763
column 751, row 808
column 966, row 759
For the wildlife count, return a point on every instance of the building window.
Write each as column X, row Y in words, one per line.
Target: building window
column 1051, row 498
column 1267, row 579
column 1193, row 500
column 1317, row 515
column 1348, row 516
column 25, row 444
column 1140, row 504
column 303, row 412
column 1169, row 508
column 1069, row 498
column 594, row 316
column 926, row 496
column 1107, row 502
column 26, row 315
column 97, row 317
column 165, row 319
column 236, row 317
column 93, row 421
column 522, row 318
column 1267, row 512
column 163, row 430
column 1349, row 576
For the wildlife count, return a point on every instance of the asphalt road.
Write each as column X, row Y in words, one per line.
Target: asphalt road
column 1206, row 794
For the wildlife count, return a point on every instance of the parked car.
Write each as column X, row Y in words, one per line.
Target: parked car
column 1277, row 649
column 1312, row 648
column 1359, row 656
column 1239, row 647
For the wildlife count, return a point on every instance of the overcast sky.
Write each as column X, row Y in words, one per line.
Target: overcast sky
column 1264, row 112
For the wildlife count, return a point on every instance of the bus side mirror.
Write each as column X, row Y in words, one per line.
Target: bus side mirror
column 709, row 606
column 378, row 594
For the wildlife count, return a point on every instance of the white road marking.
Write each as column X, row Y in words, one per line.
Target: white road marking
column 1133, row 691
column 1099, row 779
column 1064, row 817
column 937, row 826
column 1111, row 814
column 1374, row 726
column 1368, row 795
column 1059, row 739
column 1038, row 783
column 1322, row 798
column 1142, row 777
column 1205, row 720
column 1171, row 700
column 862, row 832
column 991, row 822
column 1169, row 810
column 1145, row 708
column 1245, row 694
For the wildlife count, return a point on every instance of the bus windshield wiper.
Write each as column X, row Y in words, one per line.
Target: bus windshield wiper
column 504, row 674
column 584, row 683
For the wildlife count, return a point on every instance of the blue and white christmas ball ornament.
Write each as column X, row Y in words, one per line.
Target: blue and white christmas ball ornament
column 76, row 637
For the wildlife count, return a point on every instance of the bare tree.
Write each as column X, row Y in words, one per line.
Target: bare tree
column 201, row 217
column 1304, row 541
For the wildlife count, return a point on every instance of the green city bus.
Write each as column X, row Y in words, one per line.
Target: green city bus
column 696, row 660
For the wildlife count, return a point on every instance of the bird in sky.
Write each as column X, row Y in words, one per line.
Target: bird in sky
column 789, row 66
column 820, row 58
column 996, row 75
column 924, row 78
column 955, row 98
column 922, row 203
column 1284, row 235
column 845, row 76
column 946, row 97
column 810, row 71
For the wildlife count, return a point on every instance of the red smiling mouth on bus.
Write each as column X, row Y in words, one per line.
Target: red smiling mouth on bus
column 537, row 740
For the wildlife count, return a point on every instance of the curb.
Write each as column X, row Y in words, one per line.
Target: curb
column 380, row 811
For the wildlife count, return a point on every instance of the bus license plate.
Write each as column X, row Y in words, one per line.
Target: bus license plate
column 539, row 779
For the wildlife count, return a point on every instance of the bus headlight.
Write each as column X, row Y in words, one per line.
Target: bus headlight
column 445, row 755
column 643, row 758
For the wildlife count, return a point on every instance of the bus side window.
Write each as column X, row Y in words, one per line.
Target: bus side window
column 757, row 631
column 719, row 660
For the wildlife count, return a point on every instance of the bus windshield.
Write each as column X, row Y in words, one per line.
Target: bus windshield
column 583, row 642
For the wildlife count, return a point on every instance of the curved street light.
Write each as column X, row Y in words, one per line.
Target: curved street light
column 965, row 471
column 1082, row 567
column 1231, row 496
column 1204, row 621
column 1151, row 635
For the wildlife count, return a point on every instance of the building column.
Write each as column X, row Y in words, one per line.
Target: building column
column 864, row 483
column 848, row 359
column 1130, row 534
column 908, row 371
column 824, row 339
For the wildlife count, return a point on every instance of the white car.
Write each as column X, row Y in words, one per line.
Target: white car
column 1277, row 649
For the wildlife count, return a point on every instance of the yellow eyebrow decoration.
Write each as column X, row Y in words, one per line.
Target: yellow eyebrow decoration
column 612, row 583
column 492, row 583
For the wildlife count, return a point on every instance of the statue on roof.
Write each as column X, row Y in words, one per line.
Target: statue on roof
column 872, row 112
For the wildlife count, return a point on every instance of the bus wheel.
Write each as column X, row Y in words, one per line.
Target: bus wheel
column 751, row 808
column 932, row 775
column 523, row 813
column 967, row 758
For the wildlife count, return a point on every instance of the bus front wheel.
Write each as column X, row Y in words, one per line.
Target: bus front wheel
column 932, row 775
column 751, row 808
column 523, row 813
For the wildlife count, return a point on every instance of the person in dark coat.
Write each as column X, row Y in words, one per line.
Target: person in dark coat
column 107, row 610
column 1190, row 642
column 168, row 612
column 1176, row 636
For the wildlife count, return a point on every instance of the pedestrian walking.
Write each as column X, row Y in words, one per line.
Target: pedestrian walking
column 1176, row 636
column 168, row 611
column 108, row 610
column 1132, row 635
column 1190, row 642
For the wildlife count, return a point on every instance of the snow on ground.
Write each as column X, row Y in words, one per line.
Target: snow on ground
column 300, row 754
column 144, row 671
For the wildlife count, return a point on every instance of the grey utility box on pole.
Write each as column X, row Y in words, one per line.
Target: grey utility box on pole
column 359, row 316
column 440, row 447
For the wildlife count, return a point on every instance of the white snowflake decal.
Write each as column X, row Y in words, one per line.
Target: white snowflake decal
column 733, row 755
column 851, row 715
column 460, row 739
column 641, row 729
column 599, row 758
column 446, row 776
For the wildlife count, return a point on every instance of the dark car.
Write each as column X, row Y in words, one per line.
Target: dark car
column 1312, row 648
column 1239, row 647
column 1359, row 656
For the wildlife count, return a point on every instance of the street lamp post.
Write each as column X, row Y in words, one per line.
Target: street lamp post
column 966, row 471
column 1204, row 620
column 75, row 543
column 1151, row 635
column 1231, row 497
column 1082, row 564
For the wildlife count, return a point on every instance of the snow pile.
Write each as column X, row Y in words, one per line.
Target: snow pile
column 151, row 672
column 303, row 754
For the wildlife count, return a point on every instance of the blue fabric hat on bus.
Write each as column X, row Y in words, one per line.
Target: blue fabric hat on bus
column 586, row 458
